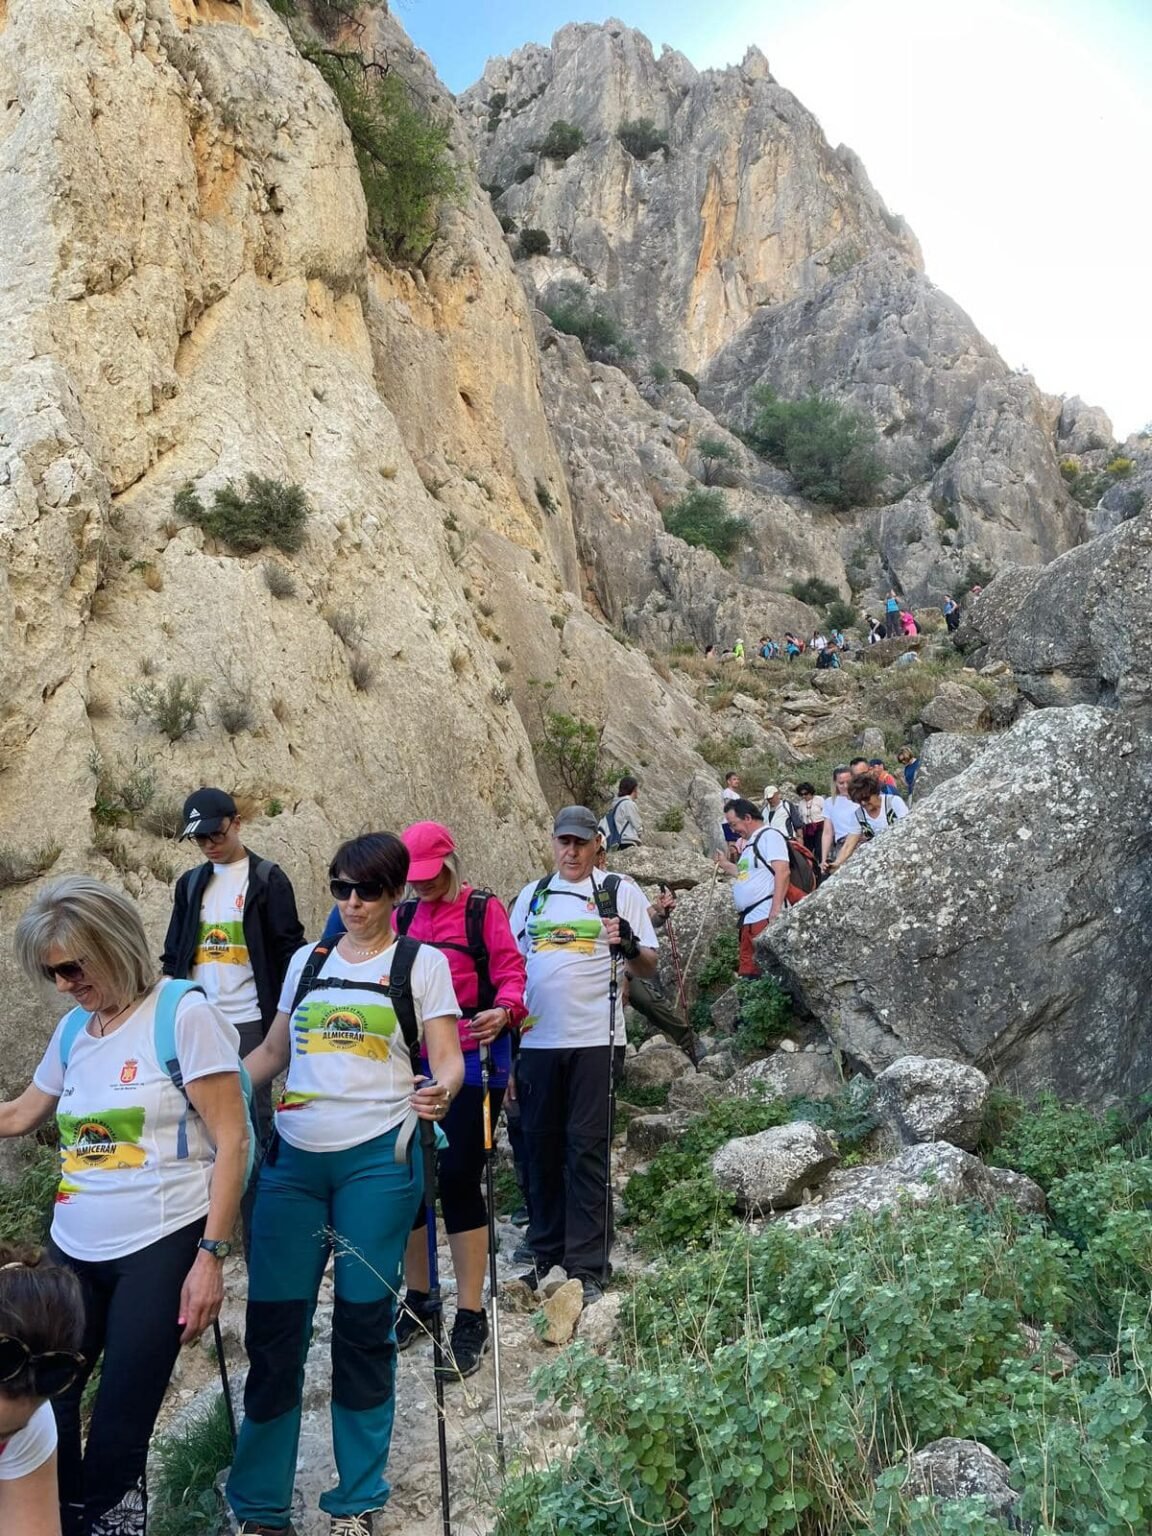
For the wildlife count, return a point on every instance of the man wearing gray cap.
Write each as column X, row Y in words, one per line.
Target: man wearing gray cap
column 567, row 925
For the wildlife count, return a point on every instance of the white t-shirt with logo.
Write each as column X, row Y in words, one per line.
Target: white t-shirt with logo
column 350, row 1074
column 755, row 881
column 569, row 963
column 221, row 963
column 123, row 1124
column 880, row 823
column 30, row 1447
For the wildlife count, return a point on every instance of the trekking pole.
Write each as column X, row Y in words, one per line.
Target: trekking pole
column 489, row 1190
column 434, row 1311
column 613, row 987
column 228, row 1408
column 675, row 952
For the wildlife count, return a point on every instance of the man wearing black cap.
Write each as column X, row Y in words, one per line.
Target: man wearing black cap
column 567, row 925
column 234, row 927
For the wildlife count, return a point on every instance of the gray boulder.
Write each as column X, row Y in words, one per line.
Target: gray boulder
column 1018, row 942
column 788, row 1075
column 771, row 1170
column 694, row 1093
column 648, row 1133
column 1076, row 631
column 933, row 1173
column 955, row 708
column 655, row 1067
column 925, row 1099
column 944, row 755
column 951, row 1469
column 1083, row 428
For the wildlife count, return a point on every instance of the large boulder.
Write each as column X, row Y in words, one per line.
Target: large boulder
column 956, row 707
column 655, row 1067
column 1077, row 630
column 771, row 1170
column 933, row 1100
column 944, row 755
column 1003, row 924
column 932, row 1173
column 788, row 1075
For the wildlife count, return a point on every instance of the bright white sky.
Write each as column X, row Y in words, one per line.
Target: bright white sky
column 1014, row 135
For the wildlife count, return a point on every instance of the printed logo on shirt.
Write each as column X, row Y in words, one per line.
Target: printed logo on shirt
column 128, row 1071
column 221, row 944
column 577, row 937
column 107, row 1140
column 65, row 1192
column 322, row 1028
column 295, row 1100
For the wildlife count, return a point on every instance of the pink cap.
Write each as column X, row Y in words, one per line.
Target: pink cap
column 427, row 843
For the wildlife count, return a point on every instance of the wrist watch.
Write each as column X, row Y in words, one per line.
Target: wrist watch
column 218, row 1247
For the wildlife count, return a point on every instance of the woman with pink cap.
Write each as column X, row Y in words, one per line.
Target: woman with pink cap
column 472, row 930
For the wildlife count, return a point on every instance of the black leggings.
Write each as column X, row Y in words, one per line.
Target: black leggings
column 460, row 1167
column 130, row 1310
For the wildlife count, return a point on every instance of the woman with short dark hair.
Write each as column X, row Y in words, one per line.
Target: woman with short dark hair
column 876, row 812
column 153, row 1156
column 41, row 1323
column 343, row 1174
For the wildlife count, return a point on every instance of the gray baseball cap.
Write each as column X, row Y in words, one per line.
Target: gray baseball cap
column 576, row 821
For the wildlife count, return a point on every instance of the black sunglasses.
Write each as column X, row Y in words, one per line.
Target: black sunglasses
column 207, row 837
column 67, row 970
column 48, row 1374
column 367, row 890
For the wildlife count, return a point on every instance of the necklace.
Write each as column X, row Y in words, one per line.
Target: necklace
column 102, row 1023
column 358, row 949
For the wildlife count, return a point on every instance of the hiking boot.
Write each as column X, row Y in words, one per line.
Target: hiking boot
column 593, row 1289
column 523, row 1254
column 467, row 1346
column 519, row 1217
column 351, row 1525
column 255, row 1528
column 531, row 1278
column 413, row 1320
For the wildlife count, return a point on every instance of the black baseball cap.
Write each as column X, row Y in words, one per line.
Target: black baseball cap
column 206, row 811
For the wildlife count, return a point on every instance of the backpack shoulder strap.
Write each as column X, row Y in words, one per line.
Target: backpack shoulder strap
column 310, row 975
column 403, row 914
column 260, row 869
column 474, row 914
column 400, row 995
column 536, row 902
column 889, row 811
column 74, row 1021
column 172, row 994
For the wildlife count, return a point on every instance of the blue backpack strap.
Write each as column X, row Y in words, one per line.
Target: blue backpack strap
column 172, row 994
column 73, row 1023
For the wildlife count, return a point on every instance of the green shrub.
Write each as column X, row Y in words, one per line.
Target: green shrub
column 1120, row 467
column 123, row 792
column 20, row 865
column 719, row 967
column 545, row 499
column 524, row 173
column 26, row 1201
column 1049, row 1140
column 814, row 591
column 1069, row 468
column 978, row 574
column 701, row 519
column 279, row 579
column 572, row 309
column 689, row 380
column 841, row 615
column 945, row 450
column 561, row 141
column 533, row 242
column 671, row 821
column 183, row 1498
column 718, row 457
column 402, row 152
column 266, row 512
column 573, row 750
column 641, row 138
column 507, row 223
column 172, row 708
column 829, row 450
column 765, row 1014
column 645, row 1095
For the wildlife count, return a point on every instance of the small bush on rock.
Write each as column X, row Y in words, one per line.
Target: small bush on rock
column 573, row 310
column 561, row 141
column 20, row 865
column 266, row 512
column 641, row 138
column 814, row 591
column 172, row 708
column 533, row 242
column 829, row 450
column 701, row 518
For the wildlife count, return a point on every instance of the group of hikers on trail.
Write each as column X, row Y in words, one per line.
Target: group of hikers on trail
column 400, row 1031
column 779, row 851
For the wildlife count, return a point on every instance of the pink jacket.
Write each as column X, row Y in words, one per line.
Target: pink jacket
column 442, row 922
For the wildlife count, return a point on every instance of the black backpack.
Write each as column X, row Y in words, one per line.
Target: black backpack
column 398, row 991
column 474, row 948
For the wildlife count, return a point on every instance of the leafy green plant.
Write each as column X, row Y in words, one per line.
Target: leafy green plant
column 701, row 518
column 672, row 820
column 1048, row 1140
column 279, row 579
column 533, row 242
column 831, row 452
column 718, row 458
column 641, row 138
column 172, row 708
column 719, row 966
column 765, row 1014
column 266, row 512
column 645, row 1095
column 572, row 750
column 123, row 791
column 403, row 152
column 183, row 1498
column 545, row 499
column 26, row 1200
column 814, row 591
column 572, row 309
column 1120, row 467
column 561, row 141
column 840, row 615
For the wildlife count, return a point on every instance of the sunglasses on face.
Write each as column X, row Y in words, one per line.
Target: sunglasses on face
column 49, row 1374
column 367, row 890
column 67, row 970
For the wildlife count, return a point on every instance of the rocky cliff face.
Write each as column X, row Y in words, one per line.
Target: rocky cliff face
column 752, row 253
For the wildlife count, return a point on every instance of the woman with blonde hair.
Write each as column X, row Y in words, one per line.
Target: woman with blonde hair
column 153, row 1151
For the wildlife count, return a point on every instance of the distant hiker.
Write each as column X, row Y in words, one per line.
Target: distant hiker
column 471, row 929
column 620, row 827
column 819, row 641
column 780, row 813
column 152, row 1171
column 738, row 652
column 892, row 612
column 951, row 611
column 875, row 813
column 910, row 763
column 709, row 653
column 839, row 640
column 839, row 818
column 728, row 794
column 791, row 647
column 827, row 659
column 343, row 1175
column 876, row 631
column 877, row 766
column 909, row 625
column 234, row 929
column 566, row 925
column 760, row 877
column 812, row 811
column 41, row 1325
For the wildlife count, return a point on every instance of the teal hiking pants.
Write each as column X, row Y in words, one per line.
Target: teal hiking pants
column 361, row 1204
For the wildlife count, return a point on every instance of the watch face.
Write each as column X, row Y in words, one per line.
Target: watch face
column 219, row 1249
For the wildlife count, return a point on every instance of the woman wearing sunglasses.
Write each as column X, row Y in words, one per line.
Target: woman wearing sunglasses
column 41, row 1321
column 150, row 1181
column 340, row 1176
